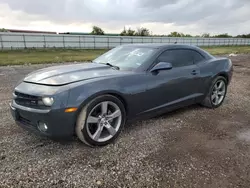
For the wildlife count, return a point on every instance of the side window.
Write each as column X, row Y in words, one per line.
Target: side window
column 178, row 58
column 197, row 57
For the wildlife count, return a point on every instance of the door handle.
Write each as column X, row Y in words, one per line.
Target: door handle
column 194, row 72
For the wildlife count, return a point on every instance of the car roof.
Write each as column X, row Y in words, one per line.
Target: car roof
column 162, row 45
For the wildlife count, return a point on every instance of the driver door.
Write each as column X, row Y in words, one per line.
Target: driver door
column 175, row 87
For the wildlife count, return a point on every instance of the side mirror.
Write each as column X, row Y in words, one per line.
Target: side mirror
column 162, row 66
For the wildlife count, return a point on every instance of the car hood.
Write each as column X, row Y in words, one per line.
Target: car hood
column 65, row 74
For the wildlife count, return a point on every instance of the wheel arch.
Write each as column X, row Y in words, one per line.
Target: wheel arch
column 207, row 101
column 223, row 74
column 109, row 92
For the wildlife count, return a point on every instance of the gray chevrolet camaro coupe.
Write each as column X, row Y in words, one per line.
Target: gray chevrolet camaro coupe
column 94, row 100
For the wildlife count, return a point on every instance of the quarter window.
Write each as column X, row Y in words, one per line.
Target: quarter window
column 197, row 57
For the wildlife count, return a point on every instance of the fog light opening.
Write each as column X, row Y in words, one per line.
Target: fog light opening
column 43, row 127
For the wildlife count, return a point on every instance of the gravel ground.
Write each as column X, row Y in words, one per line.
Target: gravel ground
column 191, row 147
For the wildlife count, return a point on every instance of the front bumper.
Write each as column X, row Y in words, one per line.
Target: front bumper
column 59, row 123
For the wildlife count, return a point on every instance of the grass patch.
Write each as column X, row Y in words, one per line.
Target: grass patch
column 221, row 50
column 36, row 56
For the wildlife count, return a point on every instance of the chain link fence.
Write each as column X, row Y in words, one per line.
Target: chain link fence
column 22, row 41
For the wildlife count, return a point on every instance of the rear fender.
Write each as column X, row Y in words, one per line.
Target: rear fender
column 220, row 67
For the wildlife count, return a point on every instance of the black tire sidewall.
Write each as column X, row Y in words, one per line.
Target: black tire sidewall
column 90, row 106
column 211, row 90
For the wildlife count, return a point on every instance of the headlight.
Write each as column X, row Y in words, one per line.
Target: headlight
column 48, row 101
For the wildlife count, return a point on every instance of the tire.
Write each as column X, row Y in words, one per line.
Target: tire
column 209, row 101
column 87, row 130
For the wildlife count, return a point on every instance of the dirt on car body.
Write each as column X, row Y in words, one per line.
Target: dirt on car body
column 191, row 147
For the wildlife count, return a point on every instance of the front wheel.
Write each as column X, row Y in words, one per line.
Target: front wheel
column 217, row 93
column 101, row 120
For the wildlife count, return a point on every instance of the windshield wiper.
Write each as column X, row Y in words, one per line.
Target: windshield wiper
column 116, row 67
column 109, row 64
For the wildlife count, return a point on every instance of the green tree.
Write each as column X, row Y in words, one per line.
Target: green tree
column 175, row 34
column 224, row 35
column 3, row 30
column 188, row 35
column 124, row 32
column 128, row 32
column 142, row 31
column 97, row 31
column 205, row 35
column 243, row 36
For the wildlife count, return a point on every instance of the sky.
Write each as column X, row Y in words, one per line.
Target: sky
column 159, row 16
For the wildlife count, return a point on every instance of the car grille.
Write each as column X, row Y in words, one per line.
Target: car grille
column 27, row 100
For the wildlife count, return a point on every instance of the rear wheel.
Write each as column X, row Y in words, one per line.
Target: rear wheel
column 101, row 121
column 217, row 93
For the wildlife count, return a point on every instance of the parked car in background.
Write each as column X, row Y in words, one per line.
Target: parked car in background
column 94, row 100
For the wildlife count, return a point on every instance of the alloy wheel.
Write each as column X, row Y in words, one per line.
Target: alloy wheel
column 218, row 92
column 104, row 121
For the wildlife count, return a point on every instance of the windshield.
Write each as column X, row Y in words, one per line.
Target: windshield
column 126, row 57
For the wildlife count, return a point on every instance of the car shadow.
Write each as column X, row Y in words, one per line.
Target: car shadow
column 132, row 124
